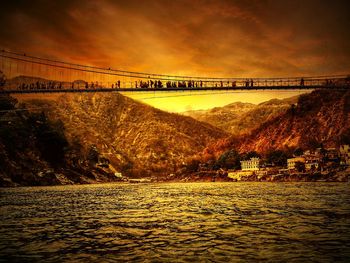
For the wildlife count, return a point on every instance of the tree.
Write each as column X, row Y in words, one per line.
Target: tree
column 51, row 140
column 298, row 151
column 313, row 144
column 92, row 155
column 229, row 160
column 300, row 166
column 192, row 165
column 345, row 137
column 277, row 158
column 292, row 109
column 7, row 103
column 251, row 154
column 2, row 79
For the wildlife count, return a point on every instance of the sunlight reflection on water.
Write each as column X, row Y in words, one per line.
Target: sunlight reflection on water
column 221, row 222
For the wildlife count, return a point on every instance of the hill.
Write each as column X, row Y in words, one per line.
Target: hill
column 321, row 117
column 240, row 118
column 136, row 139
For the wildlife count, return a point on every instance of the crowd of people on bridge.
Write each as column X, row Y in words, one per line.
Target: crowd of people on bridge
column 156, row 84
column 153, row 84
column 38, row 85
column 159, row 84
column 57, row 85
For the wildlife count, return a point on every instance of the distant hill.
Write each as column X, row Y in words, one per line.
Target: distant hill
column 63, row 140
column 25, row 79
column 321, row 117
column 240, row 118
column 34, row 149
column 14, row 82
column 136, row 138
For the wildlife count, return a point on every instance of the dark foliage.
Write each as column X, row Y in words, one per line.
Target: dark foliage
column 7, row 103
column 22, row 131
column 250, row 154
column 229, row 160
column 2, row 79
column 345, row 137
column 298, row 151
column 50, row 138
column 313, row 144
column 277, row 158
column 300, row 167
column 92, row 155
column 192, row 165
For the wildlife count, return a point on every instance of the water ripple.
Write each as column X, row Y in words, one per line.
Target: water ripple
column 201, row 222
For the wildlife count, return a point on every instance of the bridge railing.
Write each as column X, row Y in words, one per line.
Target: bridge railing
column 23, row 72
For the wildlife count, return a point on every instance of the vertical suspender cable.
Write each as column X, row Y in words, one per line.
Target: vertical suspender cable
column 32, row 72
column 10, row 73
column 2, row 62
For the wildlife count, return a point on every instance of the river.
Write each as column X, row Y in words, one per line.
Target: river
column 182, row 222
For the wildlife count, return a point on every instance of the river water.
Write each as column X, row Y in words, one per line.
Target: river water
column 178, row 222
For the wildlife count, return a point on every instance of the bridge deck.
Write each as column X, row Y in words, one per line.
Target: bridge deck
column 19, row 91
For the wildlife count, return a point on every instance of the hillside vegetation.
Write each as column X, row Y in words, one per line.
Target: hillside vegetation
column 138, row 139
column 321, row 118
column 241, row 118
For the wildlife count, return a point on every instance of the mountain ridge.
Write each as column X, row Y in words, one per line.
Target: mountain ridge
column 146, row 138
column 319, row 119
column 240, row 118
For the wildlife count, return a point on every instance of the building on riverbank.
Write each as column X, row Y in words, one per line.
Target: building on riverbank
column 291, row 162
column 344, row 152
column 312, row 165
column 332, row 154
column 251, row 165
column 239, row 175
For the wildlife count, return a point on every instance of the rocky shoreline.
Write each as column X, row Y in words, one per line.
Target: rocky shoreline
column 51, row 179
column 213, row 176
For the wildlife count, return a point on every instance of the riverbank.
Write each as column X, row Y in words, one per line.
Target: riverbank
column 214, row 176
column 50, row 178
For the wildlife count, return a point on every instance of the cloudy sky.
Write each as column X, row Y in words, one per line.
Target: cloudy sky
column 244, row 38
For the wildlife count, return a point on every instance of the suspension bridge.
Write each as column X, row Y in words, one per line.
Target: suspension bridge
column 23, row 73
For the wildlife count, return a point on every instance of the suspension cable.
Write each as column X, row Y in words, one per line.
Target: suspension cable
column 141, row 75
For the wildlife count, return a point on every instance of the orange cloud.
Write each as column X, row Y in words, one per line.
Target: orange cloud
column 212, row 38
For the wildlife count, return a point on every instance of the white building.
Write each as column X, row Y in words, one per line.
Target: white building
column 292, row 161
column 344, row 151
column 251, row 165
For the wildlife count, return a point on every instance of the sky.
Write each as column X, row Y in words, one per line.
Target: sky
column 180, row 101
column 221, row 38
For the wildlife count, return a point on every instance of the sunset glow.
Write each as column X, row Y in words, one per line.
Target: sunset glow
column 184, row 101
column 174, row 131
column 205, row 38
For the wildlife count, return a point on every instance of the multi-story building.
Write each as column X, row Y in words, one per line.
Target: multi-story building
column 313, row 159
column 251, row 165
column 312, row 165
column 332, row 154
column 344, row 151
column 292, row 161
